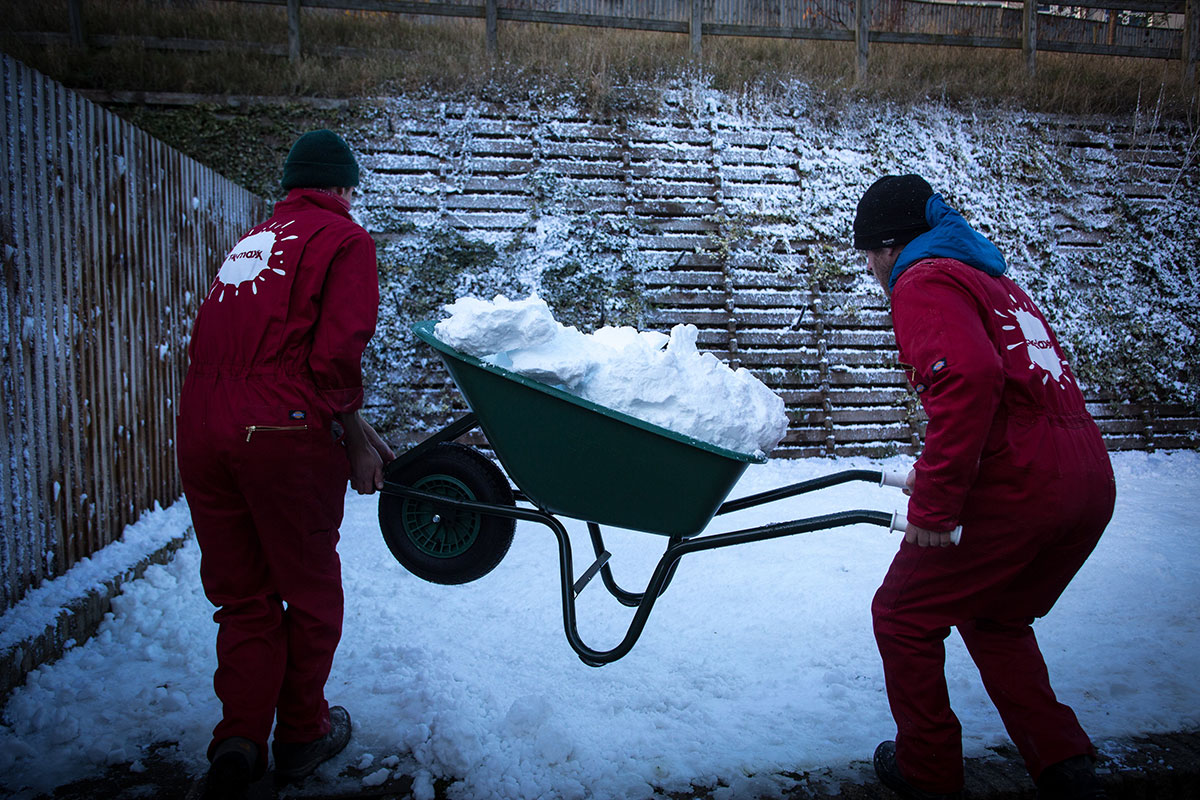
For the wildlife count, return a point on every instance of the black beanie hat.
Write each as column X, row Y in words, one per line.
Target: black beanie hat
column 320, row 159
column 891, row 212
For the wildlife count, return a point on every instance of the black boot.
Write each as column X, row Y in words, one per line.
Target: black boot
column 296, row 761
column 1072, row 779
column 233, row 765
column 889, row 775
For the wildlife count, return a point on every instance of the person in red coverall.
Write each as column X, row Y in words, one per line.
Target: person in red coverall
column 275, row 371
column 1012, row 456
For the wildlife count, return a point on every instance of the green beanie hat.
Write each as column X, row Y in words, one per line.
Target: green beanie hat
column 320, row 159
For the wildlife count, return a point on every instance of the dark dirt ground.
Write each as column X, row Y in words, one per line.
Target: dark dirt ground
column 1165, row 766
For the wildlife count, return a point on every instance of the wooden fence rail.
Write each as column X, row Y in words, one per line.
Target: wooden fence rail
column 1164, row 29
column 108, row 242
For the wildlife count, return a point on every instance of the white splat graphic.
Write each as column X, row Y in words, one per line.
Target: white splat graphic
column 250, row 261
column 1036, row 339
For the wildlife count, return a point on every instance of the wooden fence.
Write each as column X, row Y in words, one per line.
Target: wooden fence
column 1166, row 29
column 109, row 239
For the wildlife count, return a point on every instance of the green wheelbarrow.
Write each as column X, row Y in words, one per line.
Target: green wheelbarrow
column 448, row 513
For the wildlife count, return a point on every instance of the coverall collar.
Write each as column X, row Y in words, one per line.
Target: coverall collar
column 298, row 199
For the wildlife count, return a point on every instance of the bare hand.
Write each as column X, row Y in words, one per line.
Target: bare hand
column 922, row 537
column 910, row 482
column 367, row 452
column 366, row 468
column 376, row 441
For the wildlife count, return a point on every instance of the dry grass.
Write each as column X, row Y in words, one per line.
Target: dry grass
column 607, row 68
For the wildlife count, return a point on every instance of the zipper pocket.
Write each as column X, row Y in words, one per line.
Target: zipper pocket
column 252, row 429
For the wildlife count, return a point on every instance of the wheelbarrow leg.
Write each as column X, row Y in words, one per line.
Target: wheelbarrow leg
column 662, row 575
column 670, row 560
column 625, row 598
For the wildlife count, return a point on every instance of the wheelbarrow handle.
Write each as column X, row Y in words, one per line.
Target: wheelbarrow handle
column 898, row 480
column 823, row 482
column 900, row 523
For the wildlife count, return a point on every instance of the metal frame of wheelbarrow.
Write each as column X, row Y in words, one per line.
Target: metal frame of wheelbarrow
column 677, row 546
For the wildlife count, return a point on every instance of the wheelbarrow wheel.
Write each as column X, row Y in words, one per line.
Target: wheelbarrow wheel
column 448, row 545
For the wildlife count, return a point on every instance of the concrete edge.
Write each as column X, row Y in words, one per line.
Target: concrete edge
column 76, row 622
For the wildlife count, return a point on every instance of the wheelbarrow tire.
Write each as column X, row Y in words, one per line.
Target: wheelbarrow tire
column 446, row 545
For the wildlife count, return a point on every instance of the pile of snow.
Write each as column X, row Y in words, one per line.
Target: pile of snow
column 42, row 606
column 657, row 378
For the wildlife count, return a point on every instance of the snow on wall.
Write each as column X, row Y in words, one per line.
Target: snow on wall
column 735, row 216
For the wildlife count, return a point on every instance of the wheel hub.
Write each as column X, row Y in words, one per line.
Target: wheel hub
column 440, row 532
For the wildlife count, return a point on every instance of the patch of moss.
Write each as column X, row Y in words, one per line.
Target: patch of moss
column 245, row 144
column 418, row 275
column 590, row 298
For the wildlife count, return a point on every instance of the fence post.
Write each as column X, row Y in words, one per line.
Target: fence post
column 493, row 43
column 862, row 31
column 293, row 16
column 1029, row 36
column 75, row 22
column 1191, row 40
column 694, row 26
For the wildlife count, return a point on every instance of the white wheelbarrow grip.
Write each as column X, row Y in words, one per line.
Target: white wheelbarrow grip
column 896, row 479
column 900, row 523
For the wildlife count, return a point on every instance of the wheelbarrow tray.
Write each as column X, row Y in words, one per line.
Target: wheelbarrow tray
column 575, row 458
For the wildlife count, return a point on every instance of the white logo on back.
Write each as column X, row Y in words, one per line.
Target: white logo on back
column 1038, row 345
column 250, row 261
column 1036, row 339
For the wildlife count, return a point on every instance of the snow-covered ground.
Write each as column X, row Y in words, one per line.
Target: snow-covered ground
column 757, row 660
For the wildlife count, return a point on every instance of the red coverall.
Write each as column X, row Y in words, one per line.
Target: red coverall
column 275, row 353
column 1012, row 455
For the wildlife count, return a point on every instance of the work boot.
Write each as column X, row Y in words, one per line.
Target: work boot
column 232, row 769
column 1072, row 779
column 889, row 775
column 295, row 761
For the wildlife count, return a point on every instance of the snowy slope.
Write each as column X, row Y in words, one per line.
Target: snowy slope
column 759, row 659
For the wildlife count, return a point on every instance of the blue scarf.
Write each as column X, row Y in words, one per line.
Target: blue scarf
column 950, row 236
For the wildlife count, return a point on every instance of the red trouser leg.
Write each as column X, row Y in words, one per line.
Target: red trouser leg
column 1044, row 730
column 266, row 514
column 298, row 532
column 992, row 586
column 912, row 646
column 251, row 640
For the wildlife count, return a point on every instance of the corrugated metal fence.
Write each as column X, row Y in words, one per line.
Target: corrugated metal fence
column 109, row 240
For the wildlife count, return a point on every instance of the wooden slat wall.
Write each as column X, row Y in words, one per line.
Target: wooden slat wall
column 982, row 19
column 110, row 239
column 830, row 355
